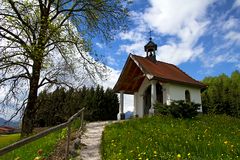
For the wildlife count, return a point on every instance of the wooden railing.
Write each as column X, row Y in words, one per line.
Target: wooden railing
column 46, row 132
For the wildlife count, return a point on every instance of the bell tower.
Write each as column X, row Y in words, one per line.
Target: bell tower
column 150, row 49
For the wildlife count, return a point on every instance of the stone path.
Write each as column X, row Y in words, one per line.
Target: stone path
column 92, row 140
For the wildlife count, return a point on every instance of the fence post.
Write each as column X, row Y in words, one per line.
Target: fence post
column 82, row 119
column 68, row 140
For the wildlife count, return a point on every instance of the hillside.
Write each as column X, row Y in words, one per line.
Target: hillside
column 12, row 123
column 204, row 137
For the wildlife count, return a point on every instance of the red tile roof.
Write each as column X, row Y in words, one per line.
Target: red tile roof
column 132, row 77
column 166, row 71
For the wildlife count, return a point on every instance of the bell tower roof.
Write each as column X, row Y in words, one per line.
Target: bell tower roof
column 150, row 46
column 150, row 49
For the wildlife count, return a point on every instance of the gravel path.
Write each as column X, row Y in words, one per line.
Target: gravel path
column 92, row 140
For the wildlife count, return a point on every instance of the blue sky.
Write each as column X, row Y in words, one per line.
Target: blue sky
column 202, row 37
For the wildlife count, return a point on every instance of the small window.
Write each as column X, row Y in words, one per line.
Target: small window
column 187, row 96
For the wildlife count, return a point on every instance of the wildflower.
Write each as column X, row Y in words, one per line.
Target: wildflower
column 189, row 154
column 179, row 156
column 155, row 152
column 39, row 152
column 37, row 158
column 225, row 142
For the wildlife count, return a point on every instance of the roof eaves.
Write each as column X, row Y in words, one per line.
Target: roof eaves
column 145, row 72
column 114, row 88
column 202, row 86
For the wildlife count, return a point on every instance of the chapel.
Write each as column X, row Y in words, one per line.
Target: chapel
column 150, row 80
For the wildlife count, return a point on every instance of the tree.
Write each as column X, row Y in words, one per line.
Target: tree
column 58, row 106
column 222, row 95
column 44, row 42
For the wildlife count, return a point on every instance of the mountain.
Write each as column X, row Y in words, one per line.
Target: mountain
column 14, row 124
column 128, row 114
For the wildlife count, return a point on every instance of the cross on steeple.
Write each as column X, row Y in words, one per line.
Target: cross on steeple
column 150, row 35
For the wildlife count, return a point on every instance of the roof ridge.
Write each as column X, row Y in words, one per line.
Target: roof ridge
column 186, row 74
column 173, row 66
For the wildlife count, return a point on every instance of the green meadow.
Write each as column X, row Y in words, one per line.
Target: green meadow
column 8, row 139
column 30, row 151
column 206, row 137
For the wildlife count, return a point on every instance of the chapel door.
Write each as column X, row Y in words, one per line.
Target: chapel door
column 159, row 93
column 147, row 100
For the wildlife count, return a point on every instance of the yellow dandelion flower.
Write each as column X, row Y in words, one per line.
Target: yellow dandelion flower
column 189, row 154
column 225, row 142
column 155, row 152
column 179, row 156
column 37, row 158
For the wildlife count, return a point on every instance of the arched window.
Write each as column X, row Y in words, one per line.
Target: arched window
column 187, row 96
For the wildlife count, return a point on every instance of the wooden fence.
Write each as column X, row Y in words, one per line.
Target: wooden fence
column 46, row 132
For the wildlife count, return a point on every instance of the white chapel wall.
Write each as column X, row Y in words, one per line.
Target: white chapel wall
column 170, row 92
column 177, row 92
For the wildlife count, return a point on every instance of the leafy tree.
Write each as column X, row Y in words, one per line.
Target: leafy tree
column 222, row 95
column 44, row 42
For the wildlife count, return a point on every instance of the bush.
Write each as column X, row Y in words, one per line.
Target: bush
column 178, row 109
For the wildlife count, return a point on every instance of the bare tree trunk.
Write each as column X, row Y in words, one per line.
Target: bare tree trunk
column 30, row 110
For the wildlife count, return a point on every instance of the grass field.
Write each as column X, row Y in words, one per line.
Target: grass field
column 8, row 139
column 158, row 137
column 29, row 152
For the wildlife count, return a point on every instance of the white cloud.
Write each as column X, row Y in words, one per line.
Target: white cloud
column 99, row 45
column 233, row 36
column 236, row 3
column 111, row 61
column 178, row 53
column 184, row 20
column 135, row 48
column 238, row 66
column 131, row 35
column 172, row 16
column 231, row 23
column 210, row 62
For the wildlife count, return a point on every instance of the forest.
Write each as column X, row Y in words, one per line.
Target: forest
column 222, row 95
column 58, row 106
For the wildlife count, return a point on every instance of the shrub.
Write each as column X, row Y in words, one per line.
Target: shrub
column 162, row 109
column 178, row 109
